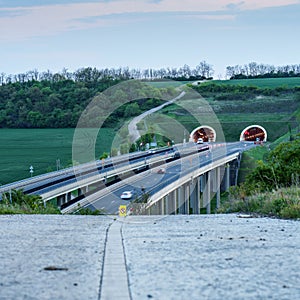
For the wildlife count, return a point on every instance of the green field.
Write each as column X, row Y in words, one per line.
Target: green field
column 272, row 83
column 21, row 148
column 263, row 82
column 275, row 115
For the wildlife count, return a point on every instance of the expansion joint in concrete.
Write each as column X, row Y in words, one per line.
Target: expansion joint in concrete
column 114, row 282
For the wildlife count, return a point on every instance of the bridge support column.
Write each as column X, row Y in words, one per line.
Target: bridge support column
column 61, row 200
column 174, row 201
column 68, row 197
column 187, row 199
column 83, row 190
column 218, row 184
column 171, row 203
column 207, row 191
column 203, row 181
column 161, row 206
column 199, row 195
column 194, row 196
column 169, row 207
column 227, row 177
column 181, row 200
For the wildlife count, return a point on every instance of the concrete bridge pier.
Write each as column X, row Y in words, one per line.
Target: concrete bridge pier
column 174, row 201
column 218, row 186
column 187, row 199
column 195, row 196
column 68, row 197
column 181, row 200
column 227, row 177
column 83, row 190
column 161, row 206
column 170, row 203
column 231, row 174
column 61, row 200
column 207, row 191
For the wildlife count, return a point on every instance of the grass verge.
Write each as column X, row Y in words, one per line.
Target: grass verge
column 282, row 203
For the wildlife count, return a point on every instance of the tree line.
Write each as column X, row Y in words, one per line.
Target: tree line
column 202, row 71
column 255, row 70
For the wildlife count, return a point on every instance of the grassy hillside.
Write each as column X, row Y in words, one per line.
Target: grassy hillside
column 264, row 82
column 271, row 103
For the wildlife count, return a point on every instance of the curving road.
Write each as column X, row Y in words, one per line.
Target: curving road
column 132, row 126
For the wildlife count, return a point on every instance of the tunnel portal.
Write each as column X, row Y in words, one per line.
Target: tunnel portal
column 206, row 133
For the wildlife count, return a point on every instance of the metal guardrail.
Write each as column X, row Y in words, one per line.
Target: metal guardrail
column 21, row 184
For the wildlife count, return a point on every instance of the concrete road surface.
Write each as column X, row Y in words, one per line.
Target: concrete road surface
column 172, row 257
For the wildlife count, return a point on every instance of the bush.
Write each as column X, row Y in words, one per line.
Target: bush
column 280, row 169
column 19, row 203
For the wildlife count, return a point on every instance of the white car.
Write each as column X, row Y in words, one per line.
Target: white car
column 200, row 141
column 126, row 195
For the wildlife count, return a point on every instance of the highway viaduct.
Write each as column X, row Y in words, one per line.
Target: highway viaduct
column 188, row 186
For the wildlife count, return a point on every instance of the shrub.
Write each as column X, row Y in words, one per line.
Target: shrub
column 280, row 169
column 17, row 202
column 291, row 212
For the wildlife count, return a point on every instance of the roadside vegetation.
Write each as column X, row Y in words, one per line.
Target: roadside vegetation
column 16, row 202
column 273, row 187
column 88, row 211
column 280, row 203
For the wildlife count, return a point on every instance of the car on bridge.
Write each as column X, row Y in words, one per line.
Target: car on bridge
column 127, row 195
column 161, row 171
column 200, row 141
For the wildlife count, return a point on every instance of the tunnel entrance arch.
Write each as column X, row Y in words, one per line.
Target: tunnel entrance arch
column 207, row 133
column 254, row 133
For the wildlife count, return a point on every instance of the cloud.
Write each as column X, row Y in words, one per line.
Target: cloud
column 24, row 22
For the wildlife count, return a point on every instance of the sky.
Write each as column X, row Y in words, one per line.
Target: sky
column 72, row 34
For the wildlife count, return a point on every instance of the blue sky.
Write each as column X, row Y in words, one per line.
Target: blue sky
column 146, row 33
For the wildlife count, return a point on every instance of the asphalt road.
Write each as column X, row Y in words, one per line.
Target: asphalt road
column 132, row 126
column 151, row 182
